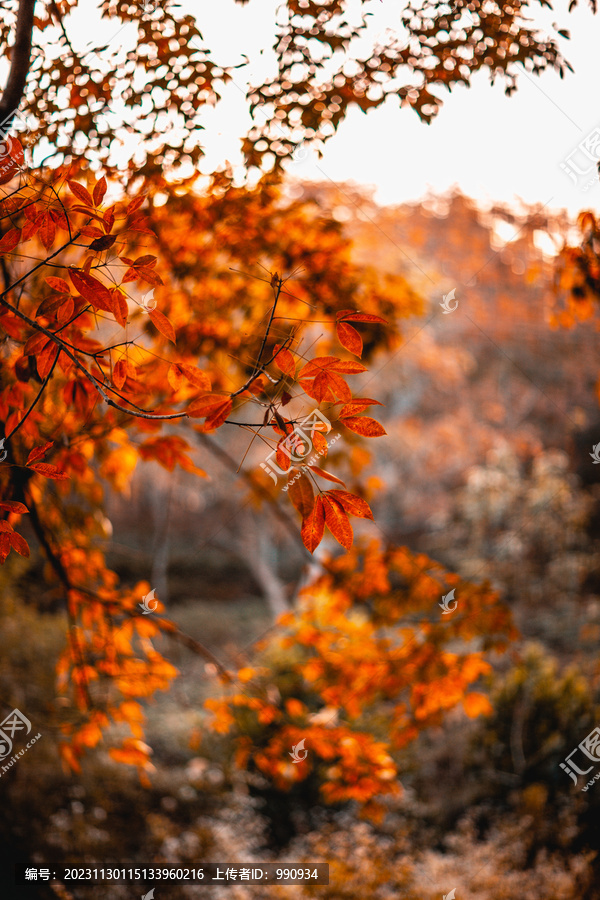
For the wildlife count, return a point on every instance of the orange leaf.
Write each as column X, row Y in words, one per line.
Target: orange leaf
column 364, row 425
column 81, row 193
column 205, row 405
column 349, row 338
column 313, row 526
column 354, row 506
column 326, row 475
column 338, row 522
column 284, row 360
column 175, row 376
column 302, row 495
column 161, row 322
column 358, row 405
column 99, row 191
column 196, row 376
column 119, row 374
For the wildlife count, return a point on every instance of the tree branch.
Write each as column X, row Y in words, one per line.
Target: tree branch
column 19, row 65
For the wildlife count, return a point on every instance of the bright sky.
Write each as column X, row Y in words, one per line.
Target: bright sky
column 493, row 147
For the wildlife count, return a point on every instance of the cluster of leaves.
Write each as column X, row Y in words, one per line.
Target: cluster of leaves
column 161, row 63
column 79, row 391
column 366, row 640
column 442, row 45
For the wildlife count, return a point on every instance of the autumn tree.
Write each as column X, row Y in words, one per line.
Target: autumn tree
column 144, row 307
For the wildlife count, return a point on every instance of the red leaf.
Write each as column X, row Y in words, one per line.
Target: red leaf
column 109, row 218
column 349, row 338
column 38, row 452
column 354, row 506
column 48, row 471
column 81, row 193
column 338, row 522
column 13, row 506
column 19, row 544
column 4, row 542
column 99, row 191
column 331, row 364
column 364, row 425
column 58, row 284
column 216, row 419
column 119, row 374
column 45, row 359
column 326, row 475
column 302, row 495
column 91, row 289
column 348, row 316
column 47, row 231
column 103, row 243
column 135, row 204
column 161, row 322
column 328, row 386
column 35, row 344
column 119, row 307
column 9, row 241
column 313, row 526
column 149, row 275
